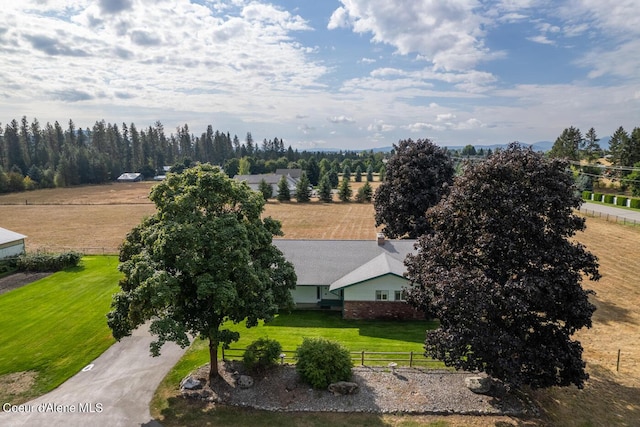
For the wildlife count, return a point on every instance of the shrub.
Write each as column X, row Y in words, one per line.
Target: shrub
column 597, row 197
column 586, row 195
column 41, row 262
column 322, row 362
column 634, row 203
column 621, row 201
column 261, row 355
column 608, row 198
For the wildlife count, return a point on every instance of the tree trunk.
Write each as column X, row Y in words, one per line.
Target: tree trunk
column 213, row 359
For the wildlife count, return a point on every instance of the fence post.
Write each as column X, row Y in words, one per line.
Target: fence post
column 411, row 359
column 362, row 358
column 618, row 363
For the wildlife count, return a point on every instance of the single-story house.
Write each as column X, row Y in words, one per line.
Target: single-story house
column 253, row 181
column 293, row 173
column 362, row 278
column 131, row 177
column 11, row 243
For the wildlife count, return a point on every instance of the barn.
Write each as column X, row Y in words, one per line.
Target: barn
column 362, row 278
column 11, row 243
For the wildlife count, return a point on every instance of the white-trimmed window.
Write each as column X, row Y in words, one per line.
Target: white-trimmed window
column 399, row 296
column 382, row 295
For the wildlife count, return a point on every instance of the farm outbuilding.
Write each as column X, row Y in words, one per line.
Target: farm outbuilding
column 11, row 243
column 131, row 177
column 362, row 278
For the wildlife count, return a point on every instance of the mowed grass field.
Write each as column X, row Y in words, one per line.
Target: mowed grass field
column 100, row 217
column 52, row 328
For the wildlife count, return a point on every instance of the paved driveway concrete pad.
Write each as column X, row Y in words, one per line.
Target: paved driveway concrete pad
column 114, row 390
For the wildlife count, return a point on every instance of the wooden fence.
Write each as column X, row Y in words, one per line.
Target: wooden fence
column 609, row 217
column 363, row 358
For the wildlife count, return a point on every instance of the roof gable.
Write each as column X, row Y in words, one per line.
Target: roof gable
column 379, row 266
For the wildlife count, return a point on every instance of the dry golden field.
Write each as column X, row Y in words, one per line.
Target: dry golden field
column 99, row 217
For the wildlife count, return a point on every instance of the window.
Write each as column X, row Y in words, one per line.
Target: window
column 399, row 296
column 382, row 295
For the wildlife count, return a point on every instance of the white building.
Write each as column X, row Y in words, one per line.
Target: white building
column 11, row 243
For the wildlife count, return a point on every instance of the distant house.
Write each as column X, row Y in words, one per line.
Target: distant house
column 253, row 181
column 11, row 243
column 362, row 278
column 130, row 177
column 293, row 173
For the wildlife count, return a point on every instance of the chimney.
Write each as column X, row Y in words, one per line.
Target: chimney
column 380, row 237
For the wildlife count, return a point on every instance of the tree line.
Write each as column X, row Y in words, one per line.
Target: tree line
column 623, row 154
column 36, row 156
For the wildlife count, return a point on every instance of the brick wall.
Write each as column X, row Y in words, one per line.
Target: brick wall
column 380, row 310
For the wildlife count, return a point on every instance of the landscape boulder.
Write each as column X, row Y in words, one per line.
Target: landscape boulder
column 343, row 388
column 479, row 385
column 244, row 381
column 190, row 383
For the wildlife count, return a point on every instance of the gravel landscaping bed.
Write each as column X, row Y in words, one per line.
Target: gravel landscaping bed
column 405, row 390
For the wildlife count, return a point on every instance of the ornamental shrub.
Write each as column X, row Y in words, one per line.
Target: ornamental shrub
column 634, row 203
column 42, row 262
column 621, row 201
column 586, row 195
column 322, row 362
column 261, row 355
column 608, row 198
column 597, row 197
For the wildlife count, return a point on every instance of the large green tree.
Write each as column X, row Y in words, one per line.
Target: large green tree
column 417, row 175
column 206, row 257
column 502, row 274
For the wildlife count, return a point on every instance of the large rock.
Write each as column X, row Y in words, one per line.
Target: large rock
column 343, row 388
column 190, row 383
column 244, row 381
column 479, row 385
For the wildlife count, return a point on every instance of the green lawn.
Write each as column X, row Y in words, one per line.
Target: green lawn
column 289, row 330
column 57, row 325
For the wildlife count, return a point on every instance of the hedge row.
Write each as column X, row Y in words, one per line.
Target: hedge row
column 42, row 262
column 610, row 198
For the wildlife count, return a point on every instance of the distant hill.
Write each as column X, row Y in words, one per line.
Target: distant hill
column 542, row 146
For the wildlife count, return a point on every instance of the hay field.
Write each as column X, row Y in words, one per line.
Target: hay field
column 96, row 219
column 82, row 220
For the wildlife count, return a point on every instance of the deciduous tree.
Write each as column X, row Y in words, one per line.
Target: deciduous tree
column 206, row 257
column 417, row 175
column 502, row 274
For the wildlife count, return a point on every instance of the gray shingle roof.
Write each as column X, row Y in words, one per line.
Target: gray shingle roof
column 323, row 262
column 8, row 236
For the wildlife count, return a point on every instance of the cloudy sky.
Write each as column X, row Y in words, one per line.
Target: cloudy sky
column 345, row 74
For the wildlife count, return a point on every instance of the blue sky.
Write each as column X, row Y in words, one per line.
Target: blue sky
column 347, row 74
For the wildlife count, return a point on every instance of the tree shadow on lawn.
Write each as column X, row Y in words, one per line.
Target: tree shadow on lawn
column 607, row 313
column 603, row 401
column 405, row 330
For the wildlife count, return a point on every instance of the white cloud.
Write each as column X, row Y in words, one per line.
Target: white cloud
column 339, row 19
column 341, row 120
column 449, row 34
column 380, row 126
column 541, row 39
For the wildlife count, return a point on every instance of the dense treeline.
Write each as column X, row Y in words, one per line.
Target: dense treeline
column 623, row 154
column 35, row 156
